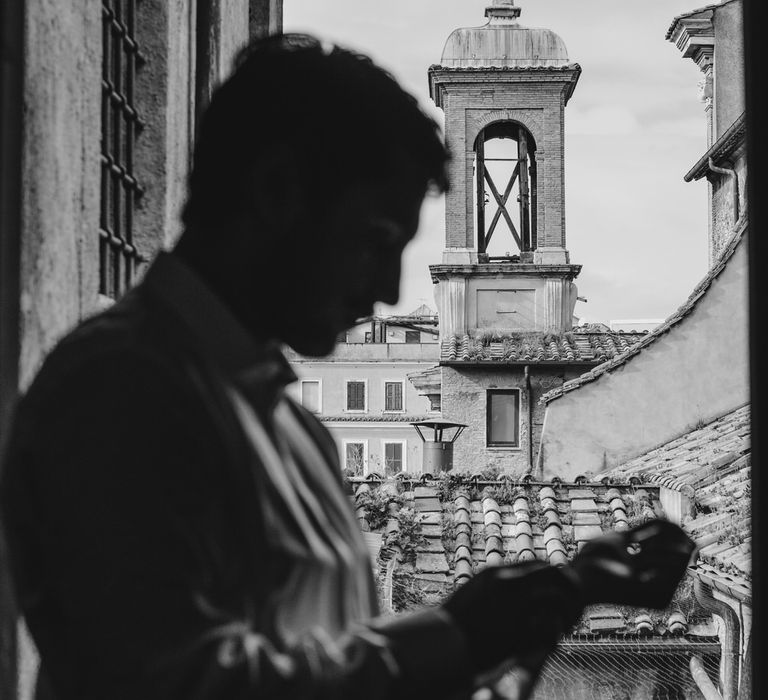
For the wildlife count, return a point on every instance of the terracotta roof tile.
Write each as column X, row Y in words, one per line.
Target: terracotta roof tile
column 710, row 465
column 493, row 522
column 577, row 346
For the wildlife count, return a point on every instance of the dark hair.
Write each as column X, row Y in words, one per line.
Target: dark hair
column 348, row 118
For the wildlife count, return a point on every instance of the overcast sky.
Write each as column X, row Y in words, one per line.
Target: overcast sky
column 633, row 128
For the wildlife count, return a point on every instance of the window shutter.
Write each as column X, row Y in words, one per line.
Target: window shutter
column 355, row 396
column 393, row 396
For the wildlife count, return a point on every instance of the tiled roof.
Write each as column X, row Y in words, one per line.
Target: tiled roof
column 467, row 525
column 576, row 347
column 651, row 337
column 375, row 418
column 711, row 465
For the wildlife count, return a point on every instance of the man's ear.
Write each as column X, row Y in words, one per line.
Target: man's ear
column 279, row 190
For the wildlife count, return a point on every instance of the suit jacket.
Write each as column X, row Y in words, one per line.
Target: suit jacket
column 138, row 551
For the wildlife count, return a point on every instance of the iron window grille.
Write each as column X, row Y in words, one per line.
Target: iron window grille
column 120, row 125
column 503, row 418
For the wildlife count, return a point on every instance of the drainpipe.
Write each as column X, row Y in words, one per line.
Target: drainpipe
column 730, row 643
column 530, row 417
column 702, row 679
column 730, row 172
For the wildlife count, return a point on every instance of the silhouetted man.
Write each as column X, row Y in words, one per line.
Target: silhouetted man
column 177, row 523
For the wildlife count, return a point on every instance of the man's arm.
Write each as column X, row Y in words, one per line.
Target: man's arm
column 127, row 558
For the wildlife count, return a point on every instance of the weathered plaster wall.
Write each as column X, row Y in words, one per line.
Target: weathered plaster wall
column 60, row 201
column 464, row 399
column 729, row 66
column 334, row 375
column 690, row 375
column 374, row 436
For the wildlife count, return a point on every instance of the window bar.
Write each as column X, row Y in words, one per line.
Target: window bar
column 120, row 190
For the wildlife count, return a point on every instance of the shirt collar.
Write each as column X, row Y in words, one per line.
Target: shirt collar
column 216, row 329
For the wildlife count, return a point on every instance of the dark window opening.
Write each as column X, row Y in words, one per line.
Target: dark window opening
column 413, row 336
column 503, row 418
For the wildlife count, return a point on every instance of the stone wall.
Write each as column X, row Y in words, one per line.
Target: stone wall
column 61, row 170
column 724, row 214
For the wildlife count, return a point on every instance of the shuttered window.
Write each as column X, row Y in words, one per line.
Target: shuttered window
column 356, row 396
column 393, row 396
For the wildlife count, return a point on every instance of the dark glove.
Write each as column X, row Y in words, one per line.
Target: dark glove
column 641, row 567
column 518, row 611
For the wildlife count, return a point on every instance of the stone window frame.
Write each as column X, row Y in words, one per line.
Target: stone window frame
column 347, row 409
column 355, row 441
column 497, row 444
column 312, row 380
column 403, row 457
column 401, row 382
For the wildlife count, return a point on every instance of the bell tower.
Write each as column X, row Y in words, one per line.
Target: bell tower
column 505, row 266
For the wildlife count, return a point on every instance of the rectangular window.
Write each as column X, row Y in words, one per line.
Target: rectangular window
column 310, row 395
column 356, row 396
column 368, row 337
column 120, row 124
column 355, row 457
column 503, row 418
column 393, row 396
column 394, row 458
column 413, row 336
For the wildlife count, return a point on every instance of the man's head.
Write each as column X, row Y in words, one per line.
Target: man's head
column 310, row 169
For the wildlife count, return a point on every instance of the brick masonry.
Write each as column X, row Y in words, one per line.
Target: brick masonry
column 464, row 396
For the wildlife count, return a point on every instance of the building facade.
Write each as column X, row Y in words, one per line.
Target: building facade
column 364, row 392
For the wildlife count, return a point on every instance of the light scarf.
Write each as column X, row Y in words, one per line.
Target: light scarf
column 307, row 516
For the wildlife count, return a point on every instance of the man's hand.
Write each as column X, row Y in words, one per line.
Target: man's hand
column 641, row 567
column 517, row 611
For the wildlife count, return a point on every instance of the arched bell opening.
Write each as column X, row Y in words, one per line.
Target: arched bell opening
column 505, row 187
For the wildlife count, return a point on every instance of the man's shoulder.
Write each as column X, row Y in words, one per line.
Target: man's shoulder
column 134, row 332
